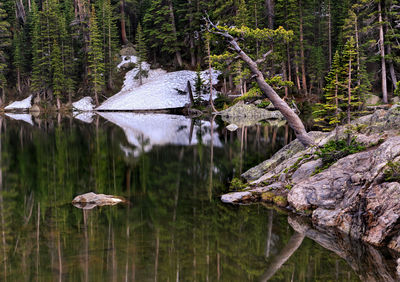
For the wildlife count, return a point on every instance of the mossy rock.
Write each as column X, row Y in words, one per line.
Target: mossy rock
column 280, row 201
column 267, row 197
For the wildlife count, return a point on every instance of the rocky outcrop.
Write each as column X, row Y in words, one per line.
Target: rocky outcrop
column 368, row 262
column 352, row 195
column 243, row 114
column 91, row 200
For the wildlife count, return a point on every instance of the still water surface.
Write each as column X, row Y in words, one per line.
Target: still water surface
column 173, row 170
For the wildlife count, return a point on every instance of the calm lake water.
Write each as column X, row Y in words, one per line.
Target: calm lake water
column 173, row 170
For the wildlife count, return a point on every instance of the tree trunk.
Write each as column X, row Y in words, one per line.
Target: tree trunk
column 270, row 13
column 390, row 61
column 191, row 39
column 302, row 59
column 329, row 33
column 358, row 51
column 123, row 28
column 172, row 16
column 294, row 121
column 296, row 69
column 382, row 51
column 349, row 93
column 293, row 244
column 110, row 78
column 18, row 80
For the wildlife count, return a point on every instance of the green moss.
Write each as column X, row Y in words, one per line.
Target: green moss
column 237, row 185
column 288, row 186
column 280, row 201
column 392, row 173
column 264, row 104
column 267, row 197
column 336, row 150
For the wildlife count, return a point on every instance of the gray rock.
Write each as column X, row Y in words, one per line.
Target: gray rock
column 250, row 111
column 236, row 197
column 128, row 51
column 306, row 170
column 91, row 200
column 232, row 127
column 372, row 100
column 282, row 158
column 350, row 197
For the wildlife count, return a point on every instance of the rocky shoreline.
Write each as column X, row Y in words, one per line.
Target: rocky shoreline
column 354, row 195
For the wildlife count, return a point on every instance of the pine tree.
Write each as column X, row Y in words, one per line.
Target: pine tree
column 160, row 29
column 5, row 43
column 95, row 57
column 18, row 59
column 349, row 60
column 108, row 28
column 141, row 52
column 58, row 80
column 36, row 48
column 328, row 115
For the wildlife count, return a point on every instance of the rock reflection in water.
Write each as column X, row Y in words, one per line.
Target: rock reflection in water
column 368, row 262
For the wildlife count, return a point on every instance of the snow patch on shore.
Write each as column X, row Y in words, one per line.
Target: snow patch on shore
column 144, row 131
column 85, row 104
column 127, row 60
column 158, row 91
column 23, row 104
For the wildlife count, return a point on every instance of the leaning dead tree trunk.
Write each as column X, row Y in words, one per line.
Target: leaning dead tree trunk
column 293, row 244
column 294, row 121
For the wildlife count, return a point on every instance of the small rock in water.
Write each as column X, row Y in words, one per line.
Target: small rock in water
column 232, row 127
column 90, row 200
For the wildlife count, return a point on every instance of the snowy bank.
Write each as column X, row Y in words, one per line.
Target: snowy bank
column 158, row 91
column 147, row 130
column 85, row 104
column 20, row 105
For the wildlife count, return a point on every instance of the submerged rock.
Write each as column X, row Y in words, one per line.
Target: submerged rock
column 91, row 200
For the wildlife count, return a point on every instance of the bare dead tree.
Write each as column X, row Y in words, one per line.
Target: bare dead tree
column 293, row 120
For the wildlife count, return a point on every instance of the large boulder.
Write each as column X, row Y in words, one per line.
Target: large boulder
column 352, row 196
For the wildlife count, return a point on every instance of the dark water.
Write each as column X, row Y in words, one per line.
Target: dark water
column 172, row 170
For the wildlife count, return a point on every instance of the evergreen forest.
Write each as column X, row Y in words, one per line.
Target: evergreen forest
column 319, row 51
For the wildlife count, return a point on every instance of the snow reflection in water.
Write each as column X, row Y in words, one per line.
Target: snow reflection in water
column 144, row 131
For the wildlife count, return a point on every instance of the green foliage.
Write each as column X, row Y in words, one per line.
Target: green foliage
column 95, row 56
column 264, row 104
column 397, row 90
column 199, row 88
column 141, row 52
column 336, row 150
column 237, row 185
column 5, row 39
column 392, row 173
column 57, row 70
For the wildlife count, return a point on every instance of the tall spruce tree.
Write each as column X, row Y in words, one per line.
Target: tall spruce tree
column 328, row 115
column 58, row 80
column 95, row 57
column 5, row 43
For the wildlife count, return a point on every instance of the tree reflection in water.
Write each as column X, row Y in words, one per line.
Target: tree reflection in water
column 175, row 227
